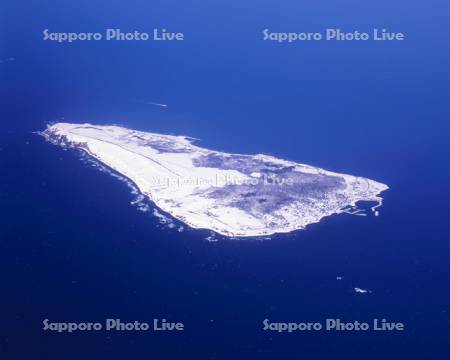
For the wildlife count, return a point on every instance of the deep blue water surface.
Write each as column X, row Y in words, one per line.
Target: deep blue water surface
column 72, row 248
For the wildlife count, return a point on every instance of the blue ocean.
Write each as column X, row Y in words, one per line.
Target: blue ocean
column 74, row 249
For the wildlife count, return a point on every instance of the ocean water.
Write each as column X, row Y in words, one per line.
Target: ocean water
column 73, row 248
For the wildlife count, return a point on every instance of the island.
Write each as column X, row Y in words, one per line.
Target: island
column 234, row 195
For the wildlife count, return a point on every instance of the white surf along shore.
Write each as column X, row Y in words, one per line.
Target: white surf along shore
column 232, row 194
